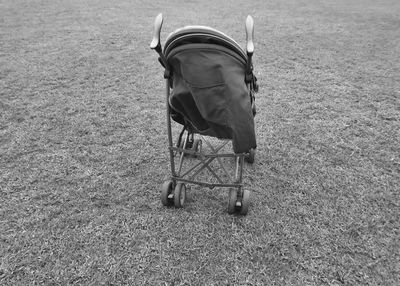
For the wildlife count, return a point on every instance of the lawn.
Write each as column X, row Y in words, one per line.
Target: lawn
column 83, row 147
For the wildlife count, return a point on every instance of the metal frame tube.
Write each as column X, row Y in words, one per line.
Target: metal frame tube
column 182, row 156
column 169, row 129
column 239, row 168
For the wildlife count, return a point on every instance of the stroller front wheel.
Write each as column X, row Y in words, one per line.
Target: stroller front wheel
column 197, row 144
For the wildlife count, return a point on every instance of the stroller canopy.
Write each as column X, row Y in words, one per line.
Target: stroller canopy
column 201, row 34
column 209, row 93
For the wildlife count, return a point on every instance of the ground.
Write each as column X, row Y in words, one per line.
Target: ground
column 83, row 147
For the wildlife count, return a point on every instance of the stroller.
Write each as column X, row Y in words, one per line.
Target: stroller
column 210, row 90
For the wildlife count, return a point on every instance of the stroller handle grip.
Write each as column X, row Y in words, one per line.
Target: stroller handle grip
column 249, row 35
column 155, row 43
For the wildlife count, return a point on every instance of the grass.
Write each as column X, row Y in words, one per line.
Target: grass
column 83, row 148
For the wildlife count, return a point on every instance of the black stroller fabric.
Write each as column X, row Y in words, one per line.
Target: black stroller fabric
column 210, row 95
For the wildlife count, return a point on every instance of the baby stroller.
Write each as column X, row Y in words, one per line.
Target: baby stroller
column 210, row 90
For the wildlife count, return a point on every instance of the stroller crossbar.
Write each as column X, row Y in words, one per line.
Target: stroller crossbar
column 204, row 161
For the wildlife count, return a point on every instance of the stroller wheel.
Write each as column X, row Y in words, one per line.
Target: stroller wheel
column 251, row 156
column 179, row 195
column 189, row 146
column 196, row 147
column 232, row 201
column 244, row 208
column 165, row 192
column 182, row 145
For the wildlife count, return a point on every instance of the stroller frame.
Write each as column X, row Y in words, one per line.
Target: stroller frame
column 174, row 190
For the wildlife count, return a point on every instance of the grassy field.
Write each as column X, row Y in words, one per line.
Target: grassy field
column 83, row 147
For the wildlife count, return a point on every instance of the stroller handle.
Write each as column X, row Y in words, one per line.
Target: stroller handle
column 155, row 43
column 249, row 35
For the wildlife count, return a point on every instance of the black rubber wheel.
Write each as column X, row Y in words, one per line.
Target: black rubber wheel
column 181, row 144
column 251, row 156
column 166, row 190
column 244, row 208
column 196, row 147
column 179, row 195
column 232, row 201
column 189, row 146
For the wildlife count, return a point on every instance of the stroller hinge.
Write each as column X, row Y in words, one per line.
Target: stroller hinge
column 249, row 77
column 163, row 62
column 167, row 73
column 252, row 79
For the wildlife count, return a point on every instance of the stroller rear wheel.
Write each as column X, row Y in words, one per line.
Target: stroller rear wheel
column 244, row 208
column 232, row 201
column 179, row 195
column 166, row 191
column 251, row 156
column 238, row 204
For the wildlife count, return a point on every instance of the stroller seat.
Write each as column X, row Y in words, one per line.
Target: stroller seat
column 209, row 91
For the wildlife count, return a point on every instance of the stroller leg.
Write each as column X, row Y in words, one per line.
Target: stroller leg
column 172, row 193
column 169, row 130
column 238, row 198
column 182, row 156
column 239, row 169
